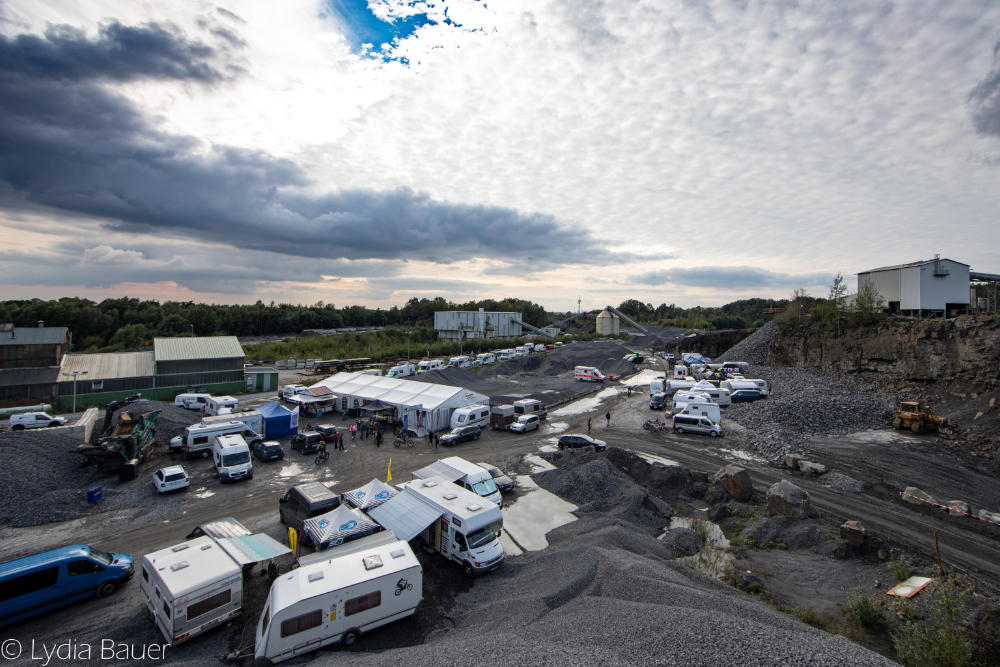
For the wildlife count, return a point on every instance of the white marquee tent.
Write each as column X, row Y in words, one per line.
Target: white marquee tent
column 426, row 406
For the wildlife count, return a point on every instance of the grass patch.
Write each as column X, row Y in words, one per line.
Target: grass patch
column 863, row 612
column 942, row 641
column 900, row 568
column 811, row 617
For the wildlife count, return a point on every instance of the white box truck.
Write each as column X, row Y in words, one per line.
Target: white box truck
column 463, row 473
column 190, row 588
column 231, row 456
column 466, row 531
column 359, row 587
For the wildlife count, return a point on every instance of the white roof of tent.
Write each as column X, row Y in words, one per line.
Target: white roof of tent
column 396, row 391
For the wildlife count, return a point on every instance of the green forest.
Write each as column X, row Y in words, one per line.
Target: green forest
column 129, row 323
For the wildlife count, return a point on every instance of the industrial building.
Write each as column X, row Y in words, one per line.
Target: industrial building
column 608, row 323
column 211, row 364
column 29, row 363
column 465, row 324
column 423, row 405
column 930, row 287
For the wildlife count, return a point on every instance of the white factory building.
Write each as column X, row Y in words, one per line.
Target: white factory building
column 465, row 324
column 424, row 405
column 928, row 287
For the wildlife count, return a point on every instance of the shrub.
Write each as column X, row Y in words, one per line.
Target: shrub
column 900, row 568
column 860, row 609
column 942, row 641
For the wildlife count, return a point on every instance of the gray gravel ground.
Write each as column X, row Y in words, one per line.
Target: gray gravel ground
column 802, row 402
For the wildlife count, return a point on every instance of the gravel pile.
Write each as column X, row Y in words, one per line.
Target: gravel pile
column 41, row 480
column 606, row 591
column 803, row 402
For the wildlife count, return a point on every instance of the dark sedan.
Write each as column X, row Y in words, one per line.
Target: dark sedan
column 744, row 395
column 269, row 450
column 460, row 434
column 328, row 431
column 574, row 441
column 502, row 480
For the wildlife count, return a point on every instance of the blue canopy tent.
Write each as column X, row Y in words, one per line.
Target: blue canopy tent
column 695, row 358
column 279, row 421
column 338, row 526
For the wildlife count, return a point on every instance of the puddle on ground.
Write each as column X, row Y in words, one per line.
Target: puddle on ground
column 528, row 519
column 879, row 436
column 642, row 379
column 742, row 455
column 554, row 427
column 653, row 458
column 290, row 470
column 585, row 404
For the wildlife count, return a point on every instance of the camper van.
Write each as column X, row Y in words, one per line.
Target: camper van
column 45, row 581
column 459, row 362
column 357, row 588
column 506, row 354
column 656, row 385
column 191, row 401
column 696, row 424
column 588, row 374
column 703, row 408
column 520, row 351
column 220, row 405
column 401, row 371
column 685, row 396
column 198, row 439
column 743, row 383
column 429, row 365
column 467, row 530
column 486, row 358
column 672, row 386
column 190, row 588
column 463, row 473
column 530, row 406
column 231, row 456
column 471, row 415
column 501, row 416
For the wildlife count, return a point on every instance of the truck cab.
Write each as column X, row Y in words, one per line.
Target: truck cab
column 231, row 456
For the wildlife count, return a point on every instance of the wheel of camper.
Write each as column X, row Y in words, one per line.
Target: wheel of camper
column 916, row 426
column 713, row 434
column 105, row 589
column 350, row 637
column 897, row 423
column 679, row 429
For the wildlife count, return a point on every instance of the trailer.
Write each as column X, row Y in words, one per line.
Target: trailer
column 337, row 599
column 501, row 416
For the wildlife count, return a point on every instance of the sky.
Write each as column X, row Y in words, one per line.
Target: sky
column 691, row 152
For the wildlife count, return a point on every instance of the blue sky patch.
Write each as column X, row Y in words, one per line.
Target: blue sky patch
column 364, row 27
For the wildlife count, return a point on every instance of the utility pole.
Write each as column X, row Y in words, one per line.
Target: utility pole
column 407, row 347
column 74, row 374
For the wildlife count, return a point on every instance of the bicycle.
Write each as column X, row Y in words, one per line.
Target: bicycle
column 655, row 425
column 322, row 457
column 402, row 439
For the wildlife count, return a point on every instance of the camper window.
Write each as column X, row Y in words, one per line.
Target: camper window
column 145, row 574
column 208, row 604
column 362, row 603
column 482, row 537
column 201, row 440
column 166, row 608
column 485, row 487
column 297, row 624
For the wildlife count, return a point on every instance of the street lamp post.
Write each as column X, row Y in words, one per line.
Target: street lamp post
column 74, row 374
column 407, row 347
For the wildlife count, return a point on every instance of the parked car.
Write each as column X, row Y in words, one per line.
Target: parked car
column 574, row 441
column 524, row 423
column 269, row 450
column 460, row 434
column 658, row 401
column 744, row 395
column 307, row 442
column 170, row 478
column 684, row 423
column 34, row 420
column 328, row 431
column 503, row 481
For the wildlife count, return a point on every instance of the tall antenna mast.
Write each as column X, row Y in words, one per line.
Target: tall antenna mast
column 578, row 304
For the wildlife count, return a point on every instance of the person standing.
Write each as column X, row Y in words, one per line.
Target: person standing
column 588, row 424
column 608, row 417
column 378, row 438
column 437, row 439
column 430, row 438
column 340, row 441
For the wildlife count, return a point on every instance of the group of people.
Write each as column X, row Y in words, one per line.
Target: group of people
column 367, row 429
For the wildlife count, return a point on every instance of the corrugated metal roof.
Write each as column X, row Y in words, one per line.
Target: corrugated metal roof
column 108, row 365
column 209, row 347
column 912, row 264
column 34, row 336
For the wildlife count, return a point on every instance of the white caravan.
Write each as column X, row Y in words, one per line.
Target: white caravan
column 471, row 415
column 198, row 439
column 745, row 383
column 530, row 406
column 463, row 473
column 190, row 588
column 357, row 588
column 429, row 365
column 221, row 405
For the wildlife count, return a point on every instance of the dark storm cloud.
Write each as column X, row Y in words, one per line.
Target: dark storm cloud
column 733, row 277
column 120, row 53
column 72, row 144
column 984, row 100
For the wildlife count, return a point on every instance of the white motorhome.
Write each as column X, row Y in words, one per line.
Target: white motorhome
column 252, row 418
column 191, row 401
column 485, row 358
column 520, row 351
column 463, row 473
column 290, row 390
column 702, row 408
column 530, row 406
column 746, row 383
column 685, row 396
column 466, row 531
column 656, row 385
column 682, row 371
column 357, row 588
column 190, row 588
column 459, row 362
column 220, row 405
column 588, row 374
column 672, row 386
column 471, row 415
column 198, row 439
column 429, row 365
column 506, row 354
column 401, row 371
column 719, row 395
column 231, row 456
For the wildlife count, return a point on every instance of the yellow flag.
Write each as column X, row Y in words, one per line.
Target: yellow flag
column 293, row 540
column 388, row 473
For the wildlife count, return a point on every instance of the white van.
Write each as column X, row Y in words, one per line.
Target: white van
column 471, row 415
column 401, row 371
column 459, row 362
column 702, row 408
column 656, row 385
column 191, row 401
column 356, row 588
column 486, row 358
column 520, row 351
column 588, row 374
column 198, row 439
column 231, row 456
column 34, row 420
column 463, row 473
column 429, row 365
column 221, row 405
column 696, row 424
column 530, row 406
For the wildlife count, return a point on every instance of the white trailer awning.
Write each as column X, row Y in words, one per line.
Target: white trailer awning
column 249, row 549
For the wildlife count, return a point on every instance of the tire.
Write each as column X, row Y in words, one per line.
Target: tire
column 351, row 637
column 106, row 589
column 679, row 429
column 916, row 426
column 713, row 434
column 19, row 427
column 561, row 446
column 897, row 423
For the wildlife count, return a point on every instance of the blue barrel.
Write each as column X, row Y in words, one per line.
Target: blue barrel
column 94, row 494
